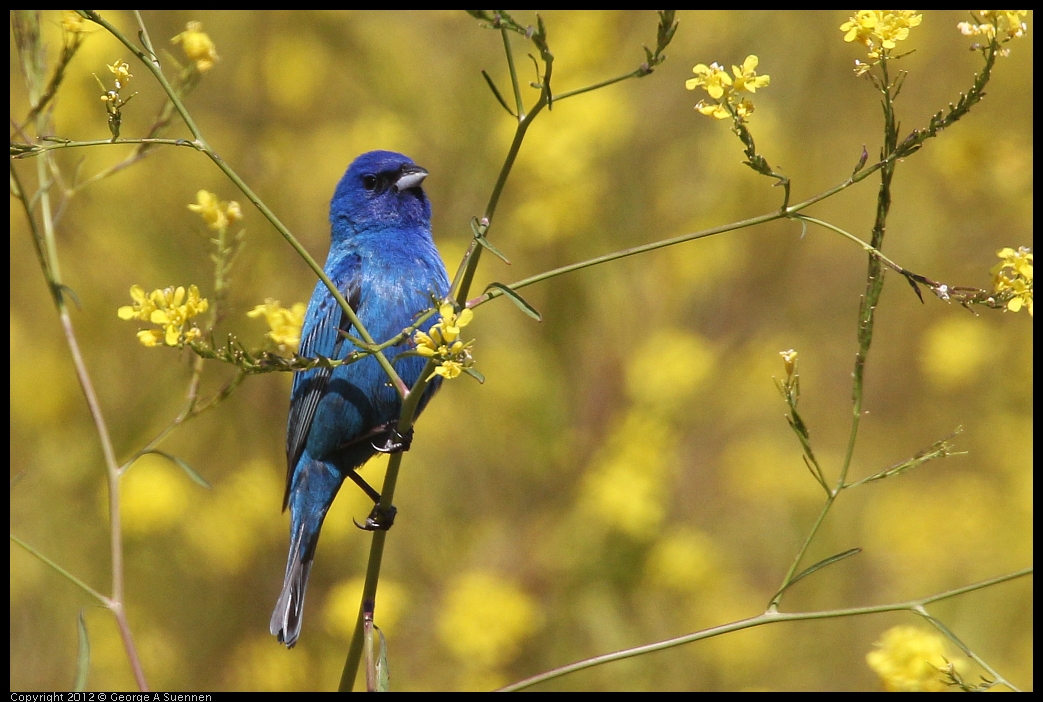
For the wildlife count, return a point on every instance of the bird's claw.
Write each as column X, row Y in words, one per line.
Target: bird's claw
column 395, row 442
column 379, row 519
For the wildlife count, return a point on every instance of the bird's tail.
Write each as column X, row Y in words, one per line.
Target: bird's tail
column 314, row 487
column 289, row 610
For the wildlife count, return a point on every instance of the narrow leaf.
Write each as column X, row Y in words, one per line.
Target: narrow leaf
column 475, row 374
column 516, row 299
column 383, row 671
column 915, row 287
column 83, row 656
column 492, row 249
column 196, row 477
column 66, row 290
column 496, row 92
column 816, row 474
column 819, row 566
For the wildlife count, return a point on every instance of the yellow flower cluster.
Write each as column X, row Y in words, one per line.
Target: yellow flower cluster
column 170, row 308
column 442, row 342
column 908, row 659
column 1013, row 276
column 1003, row 25
column 285, row 324
column 724, row 89
column 878, row 30
column 198, row 46
column 217, row 213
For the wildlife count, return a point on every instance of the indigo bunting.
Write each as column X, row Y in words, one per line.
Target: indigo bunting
column 384, row 262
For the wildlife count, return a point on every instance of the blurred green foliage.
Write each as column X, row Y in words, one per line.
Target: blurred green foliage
column 625, row 474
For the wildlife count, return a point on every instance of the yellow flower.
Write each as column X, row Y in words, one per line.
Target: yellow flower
column 451, row 322
column 175, row 309
column 285, row 324
column 879, row 30
column 713, row 109
column 713, row 78
column 442, row 343
column 198, row 46
column 907, row 659
column 1019, row 261
column 449, row 369
column 217, row 213
column 122, row 72
column 789, row 360
column 746, row 77
column 142, row 308
column 425, row 345
column 170, row 308
column 744, row 108
column 860, row 27
column 723, row 89
column 150, row 337
column 1022, row 296
column 1013, row 276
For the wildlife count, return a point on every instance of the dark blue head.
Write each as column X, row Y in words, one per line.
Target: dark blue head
column 380, row 189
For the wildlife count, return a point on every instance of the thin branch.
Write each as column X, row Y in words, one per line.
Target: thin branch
column 768, row 617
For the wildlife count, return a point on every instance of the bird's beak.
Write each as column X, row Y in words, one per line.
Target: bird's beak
column 412, row 177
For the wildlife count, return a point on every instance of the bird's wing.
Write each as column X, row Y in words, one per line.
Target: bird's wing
column 320, row 337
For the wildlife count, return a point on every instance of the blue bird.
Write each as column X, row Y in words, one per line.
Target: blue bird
column 384, row 262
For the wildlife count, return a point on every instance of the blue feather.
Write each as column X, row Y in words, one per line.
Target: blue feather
column 384, row 262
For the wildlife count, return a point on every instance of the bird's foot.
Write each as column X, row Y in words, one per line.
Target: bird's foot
column 379, row 519
column 394, row 442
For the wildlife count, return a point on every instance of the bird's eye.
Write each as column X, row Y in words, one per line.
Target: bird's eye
column 369, row 182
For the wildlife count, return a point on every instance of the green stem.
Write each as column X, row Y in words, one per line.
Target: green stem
column 874, row 274
column 36, row 149
column 633, row 251
column 866, row 318
column 475, row 251
column 376, row 549
column 768, row 617
column 105, row 601
column 52, row 273
column 826, row 506
column 867, row 247
column 636, row 73
column 515, row 85
column 948, row 633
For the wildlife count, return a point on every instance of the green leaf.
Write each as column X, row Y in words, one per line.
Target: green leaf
column 496, row 92
column 819, row 566
column 83, row 656
column 479, row 234
column 383, row 671
column 66, row 290
column 196, row 477
column 516, row 299
column 492, row 249
column 475, row 374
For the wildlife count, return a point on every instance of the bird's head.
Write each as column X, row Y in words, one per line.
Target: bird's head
column 380, row 189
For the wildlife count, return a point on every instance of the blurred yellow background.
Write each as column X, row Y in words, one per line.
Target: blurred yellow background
column 625, row 474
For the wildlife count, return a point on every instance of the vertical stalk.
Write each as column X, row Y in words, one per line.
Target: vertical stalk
column 31, row 49
column 875, row 270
